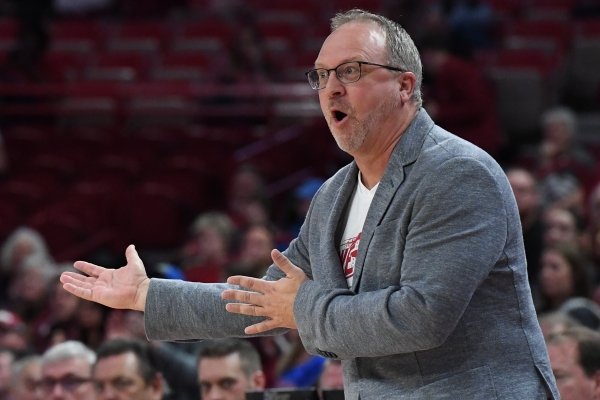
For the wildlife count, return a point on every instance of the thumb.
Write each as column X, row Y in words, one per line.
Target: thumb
column 132, row 256
column 283, row 262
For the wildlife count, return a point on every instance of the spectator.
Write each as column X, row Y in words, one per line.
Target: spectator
column 228, row 368
column 26, row 379
column 575, row 359
column 125, row 370
column 332, row 377
column 525, row 188
column 553, row 322
column 22, row 242
column 255, row 254
column 297, row 368
column 585, row 311
column 67, row 372
column 561, row 226
column 206, row 252
column 13, row 332
column 30, row 289
column 563, row 276
column 566, row 169
column 7, row 357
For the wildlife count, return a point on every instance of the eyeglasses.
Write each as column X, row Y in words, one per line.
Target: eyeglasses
column 347, row 72
column 67, row 383
column 119, row 384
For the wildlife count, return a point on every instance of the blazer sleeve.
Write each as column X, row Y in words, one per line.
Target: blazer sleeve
column 455, row 234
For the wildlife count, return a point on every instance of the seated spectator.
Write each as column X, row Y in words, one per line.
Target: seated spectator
column 254, row 256
column 7, row 357
column 124, row 369
column 20, row 244
column 525, row 188
column 67, row 372
column 575, row 360
column 296, row 367
column 26, row 378
column 206, row 252
column 561, row 226
column 554, row 322
column 585, row 311
column 13, row 332
column 228, row 368
column 563, row 275
column 331, row 377
column 565, row 168
column 30, row 288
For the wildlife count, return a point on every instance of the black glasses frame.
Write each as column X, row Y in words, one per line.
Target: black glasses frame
column 315, row 84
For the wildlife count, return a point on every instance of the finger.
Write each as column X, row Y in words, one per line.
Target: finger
column 284, row 263
column 73, row 277
column 77, row 290
column 243, row 296
column 89, row 268
column 245, row 309
column 261, row 327
column 253, row 284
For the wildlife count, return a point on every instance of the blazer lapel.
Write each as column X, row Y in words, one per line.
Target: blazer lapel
column 405, row 153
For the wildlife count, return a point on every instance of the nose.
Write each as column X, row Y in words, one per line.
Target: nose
column 334, row 87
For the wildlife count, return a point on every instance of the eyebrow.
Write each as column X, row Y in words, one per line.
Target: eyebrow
column 320, row 65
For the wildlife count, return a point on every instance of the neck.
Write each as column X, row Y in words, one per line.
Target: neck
column 373, row 162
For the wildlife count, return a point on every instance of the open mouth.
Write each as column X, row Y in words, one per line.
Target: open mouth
column 339, row 116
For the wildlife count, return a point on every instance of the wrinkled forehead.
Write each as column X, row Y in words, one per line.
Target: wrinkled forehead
column 361, row 40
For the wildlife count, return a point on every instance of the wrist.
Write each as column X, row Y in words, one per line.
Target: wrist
column 141, row 294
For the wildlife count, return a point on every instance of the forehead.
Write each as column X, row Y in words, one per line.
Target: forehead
column 363, row 40
column 73, row 366
column 563, row 354
column 215, row 368
column 120, row 364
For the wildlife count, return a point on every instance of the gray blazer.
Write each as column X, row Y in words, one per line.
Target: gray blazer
column 440, row 306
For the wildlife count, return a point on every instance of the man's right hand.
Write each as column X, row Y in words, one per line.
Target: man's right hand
column 125, row 287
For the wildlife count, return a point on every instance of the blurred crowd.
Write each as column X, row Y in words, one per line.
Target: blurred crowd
column 53, row 344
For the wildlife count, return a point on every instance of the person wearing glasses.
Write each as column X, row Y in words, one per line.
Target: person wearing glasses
column 67, row 372
column 410, row 265
column 125, row 370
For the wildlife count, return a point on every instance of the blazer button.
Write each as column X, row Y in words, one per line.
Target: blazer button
column 327, row 354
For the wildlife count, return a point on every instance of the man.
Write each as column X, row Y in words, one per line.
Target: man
column 124, row 370
column 67, row 372
column 228, row 368
column 525, row 188
column 575, row 358
column 25, row 379
column 410, row 266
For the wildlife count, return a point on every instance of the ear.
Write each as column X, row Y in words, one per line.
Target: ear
column 158, row 385
column 407, row 82
column 259, row 380
column 596, row 380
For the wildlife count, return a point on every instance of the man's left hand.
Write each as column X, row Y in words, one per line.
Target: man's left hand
column 273, row 300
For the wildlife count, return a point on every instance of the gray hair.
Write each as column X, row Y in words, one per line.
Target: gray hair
column 560, row 115
column 19, row 365
column 14, row 239
column 402, row 51
column 68, row 350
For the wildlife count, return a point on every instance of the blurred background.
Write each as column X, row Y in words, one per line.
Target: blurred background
column 187, row 128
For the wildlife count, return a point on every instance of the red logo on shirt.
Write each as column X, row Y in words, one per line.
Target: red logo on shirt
column 348, row 255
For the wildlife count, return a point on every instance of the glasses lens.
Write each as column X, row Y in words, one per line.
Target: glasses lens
column 313, row 78
column 348, row 72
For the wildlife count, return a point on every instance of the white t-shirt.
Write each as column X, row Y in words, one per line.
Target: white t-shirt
column 355, row 219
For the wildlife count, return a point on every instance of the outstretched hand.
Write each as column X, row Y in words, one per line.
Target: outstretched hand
column 273, row 300
column 125, row 287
